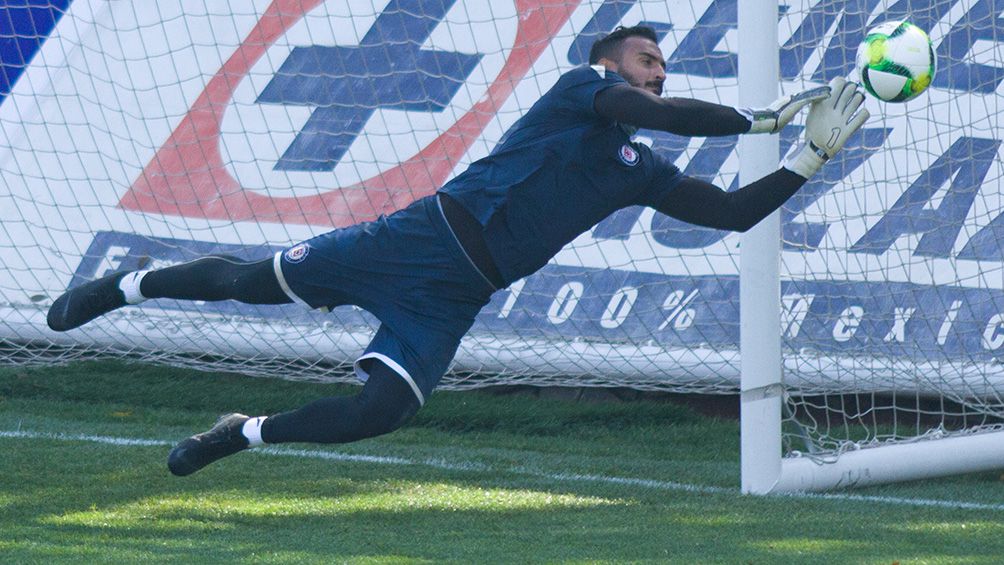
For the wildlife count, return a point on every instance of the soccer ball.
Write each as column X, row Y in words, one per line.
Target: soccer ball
column 896, row 61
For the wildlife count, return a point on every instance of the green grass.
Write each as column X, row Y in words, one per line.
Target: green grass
column 474, row 478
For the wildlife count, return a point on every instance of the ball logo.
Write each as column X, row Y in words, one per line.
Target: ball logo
column 297, row 253
column 629, row 155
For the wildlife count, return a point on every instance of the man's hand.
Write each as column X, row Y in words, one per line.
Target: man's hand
column 829, row 124
column 774, row 117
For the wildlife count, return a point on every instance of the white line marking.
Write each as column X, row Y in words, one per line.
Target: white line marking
column 83, row 437
column 448, row 465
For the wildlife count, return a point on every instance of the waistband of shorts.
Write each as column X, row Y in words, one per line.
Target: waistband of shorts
column 471, row 237
column 434, row 208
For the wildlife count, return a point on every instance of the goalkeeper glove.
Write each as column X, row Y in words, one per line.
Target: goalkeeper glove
column 774, row 117
column 829, row 124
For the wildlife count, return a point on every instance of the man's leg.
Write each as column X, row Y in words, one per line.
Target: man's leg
column 385, row 403
column 208, row 278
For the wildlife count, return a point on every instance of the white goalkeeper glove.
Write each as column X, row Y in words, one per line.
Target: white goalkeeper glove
column 774, row 117
column 829, row 124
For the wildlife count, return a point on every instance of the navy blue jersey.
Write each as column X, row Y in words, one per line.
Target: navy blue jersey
column 560, row 170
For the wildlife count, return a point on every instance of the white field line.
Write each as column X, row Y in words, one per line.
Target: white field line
column 448, row 465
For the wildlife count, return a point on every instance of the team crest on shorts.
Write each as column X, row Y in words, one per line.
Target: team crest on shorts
column 297, row 253
column 628, row 155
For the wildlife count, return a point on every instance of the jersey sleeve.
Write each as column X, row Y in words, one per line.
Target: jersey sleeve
column 577, row 88
column 664, row 178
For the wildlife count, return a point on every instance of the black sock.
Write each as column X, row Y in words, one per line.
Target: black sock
column 385, row 404
column 216, row 278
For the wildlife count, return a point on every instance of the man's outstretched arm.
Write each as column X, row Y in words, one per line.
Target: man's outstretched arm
column 685, row 116
column 703, row 204
column 830, row 123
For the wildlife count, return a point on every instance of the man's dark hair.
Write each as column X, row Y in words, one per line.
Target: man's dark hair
column 609, row 45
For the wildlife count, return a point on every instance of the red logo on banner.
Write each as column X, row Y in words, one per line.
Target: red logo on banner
column 187, row 175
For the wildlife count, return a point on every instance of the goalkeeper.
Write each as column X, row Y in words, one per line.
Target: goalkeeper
column 427, row 270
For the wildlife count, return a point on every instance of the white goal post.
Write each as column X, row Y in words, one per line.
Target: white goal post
column 761, row 381
column 862, row 325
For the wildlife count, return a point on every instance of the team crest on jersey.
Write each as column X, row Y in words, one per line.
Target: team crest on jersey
column 297, row 253
column 629, row 155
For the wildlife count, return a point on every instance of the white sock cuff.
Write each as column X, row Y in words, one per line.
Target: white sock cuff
column 252, row 431
column 129, row 285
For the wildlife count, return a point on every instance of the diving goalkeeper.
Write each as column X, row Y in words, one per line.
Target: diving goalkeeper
column 427, row 270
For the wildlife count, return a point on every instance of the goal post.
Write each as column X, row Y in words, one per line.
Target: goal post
column 759, row 261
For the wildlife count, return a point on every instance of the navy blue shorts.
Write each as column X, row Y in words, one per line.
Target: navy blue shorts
column 409, row 271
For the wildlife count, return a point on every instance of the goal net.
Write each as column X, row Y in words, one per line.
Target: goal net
column 890, row 272
column 146, row 134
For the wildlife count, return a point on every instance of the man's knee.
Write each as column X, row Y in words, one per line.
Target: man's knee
column 381, row 413
column 387, row 402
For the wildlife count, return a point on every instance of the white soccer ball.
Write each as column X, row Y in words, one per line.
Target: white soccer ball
column 896, row 61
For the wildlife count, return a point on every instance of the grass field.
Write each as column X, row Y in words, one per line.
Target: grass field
column 475, row 478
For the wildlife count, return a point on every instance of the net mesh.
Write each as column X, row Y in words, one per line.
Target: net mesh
column 140, row 135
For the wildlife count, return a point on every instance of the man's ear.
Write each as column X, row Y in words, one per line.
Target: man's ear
column 607, row 64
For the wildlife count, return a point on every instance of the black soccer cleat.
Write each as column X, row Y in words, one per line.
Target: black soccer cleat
column 224, row 438
column 83, row 303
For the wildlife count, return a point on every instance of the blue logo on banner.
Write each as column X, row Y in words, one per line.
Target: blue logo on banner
column 345, row 85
